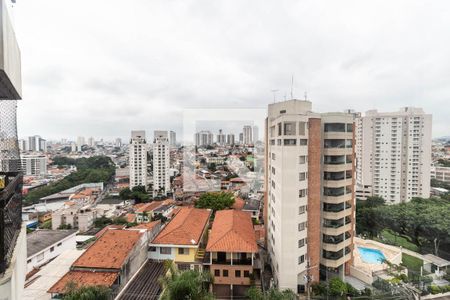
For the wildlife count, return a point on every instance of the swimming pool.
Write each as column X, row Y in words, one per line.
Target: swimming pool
column 371, row 256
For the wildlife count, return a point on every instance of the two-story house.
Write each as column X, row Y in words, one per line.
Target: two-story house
column 183, row 239
column 232, row 251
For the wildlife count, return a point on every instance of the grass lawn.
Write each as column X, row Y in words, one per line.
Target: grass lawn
column 397, row 240
column 411, row 262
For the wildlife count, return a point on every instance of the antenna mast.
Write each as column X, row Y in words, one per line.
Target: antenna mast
column 292, row 87
column 274, row 95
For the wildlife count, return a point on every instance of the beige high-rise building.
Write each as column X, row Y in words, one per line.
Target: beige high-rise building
column 309, row 209
column 393, row 157
column 161, row 162
column 138, row 159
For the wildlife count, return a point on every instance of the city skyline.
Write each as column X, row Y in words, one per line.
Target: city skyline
column 381, row 65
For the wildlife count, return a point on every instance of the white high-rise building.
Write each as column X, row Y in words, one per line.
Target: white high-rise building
column 73, row 147
column 309, row 209
column 255, row 134
column 203, row 138
column 138, row 159
column 393, row 157
column 247, row 135
column 221, row 138
column 172, row 138
column 230, row 139
column 161, row 162
column 22, row 145
column 34, row 165
column 80, row 142
column 118, row 142
column 91, row 142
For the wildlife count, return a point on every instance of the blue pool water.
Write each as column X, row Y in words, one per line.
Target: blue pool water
column 371, row 256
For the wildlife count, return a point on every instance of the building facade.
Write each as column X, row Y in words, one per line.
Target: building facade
column 393, row 157
column 230, row 139
column 247, row 133
column 221, row 138
column 310, row 200
column 441, row 173
column 138, row 159
column 34, row 165
column 203, row 138
column 161, row 162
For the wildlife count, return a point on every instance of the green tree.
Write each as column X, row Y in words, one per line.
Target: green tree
column 215, row 200
column 212, row 167
column 337, row 287
column 255, row 293
column 86, row 292
column 181, row 285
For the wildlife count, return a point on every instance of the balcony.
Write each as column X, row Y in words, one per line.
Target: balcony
column 234, row 262
column 335, row 259
column 336, row 243
column 336, row 227
column 338, row 182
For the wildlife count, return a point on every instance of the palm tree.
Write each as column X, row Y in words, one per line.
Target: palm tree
column 181, row 285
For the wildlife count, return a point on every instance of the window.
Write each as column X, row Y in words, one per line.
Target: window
column 59, row 244
column 302, row 176
column 246, row 273
column 301, row 243
column 349, row 127
column 302, row 209
column 334, row 127
column 301, row 128
column 217, row 273
column 52, row 249
column 301, row 259
column 303, row 159
column 301, row 226
column 152, row 249
column 237, row 273
column 28, row 261
column 290, row 142
column 273, row 170
column 302, row 193
column 273, row 156
column 165, row 250
column 289, row 128
column 279, row 128
column 183, row 251
column 303, row 142
column 273, row 184
column 225, row 273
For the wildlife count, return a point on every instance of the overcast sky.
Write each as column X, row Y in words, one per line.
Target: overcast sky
column 104, row 67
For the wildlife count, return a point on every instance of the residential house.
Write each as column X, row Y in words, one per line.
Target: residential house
column 45, row 245
column 183, row 239
column 111, row 261
column 232, row 251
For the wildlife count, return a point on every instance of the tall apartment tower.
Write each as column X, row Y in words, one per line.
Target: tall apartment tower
column 393, row 157
column 172, row 138
column 221, row 138
column 138, row 159
column 230, row 139
column 161, row 162
column 203, row 138
column 309, row 209
column 247, row 135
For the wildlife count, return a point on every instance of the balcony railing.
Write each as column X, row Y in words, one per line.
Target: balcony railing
column 246, row 261
column 10, row 216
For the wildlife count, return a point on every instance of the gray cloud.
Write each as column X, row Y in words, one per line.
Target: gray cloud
column 102, row 68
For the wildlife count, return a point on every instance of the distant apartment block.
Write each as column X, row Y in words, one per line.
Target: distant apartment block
column 230, row 139
column 138, row 159
column 309, row 209
column 441, row 173
column 75, row 215
column 247, row 135
column 34, row 165
column 203, row 138
column 172, row 138
column 161, row 163
column 393, row 157
column 221, row 138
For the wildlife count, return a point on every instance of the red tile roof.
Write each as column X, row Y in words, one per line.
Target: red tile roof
column 84, row 278
column 185, row 228
column 238, row 203
column 110, row 250
column 108, row 227
column 148, row 226
column 232, row 231
column 148, row 206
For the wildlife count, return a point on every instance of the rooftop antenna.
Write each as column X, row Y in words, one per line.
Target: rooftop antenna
column 306, row 96
column 292, row 87
column 274, row 95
